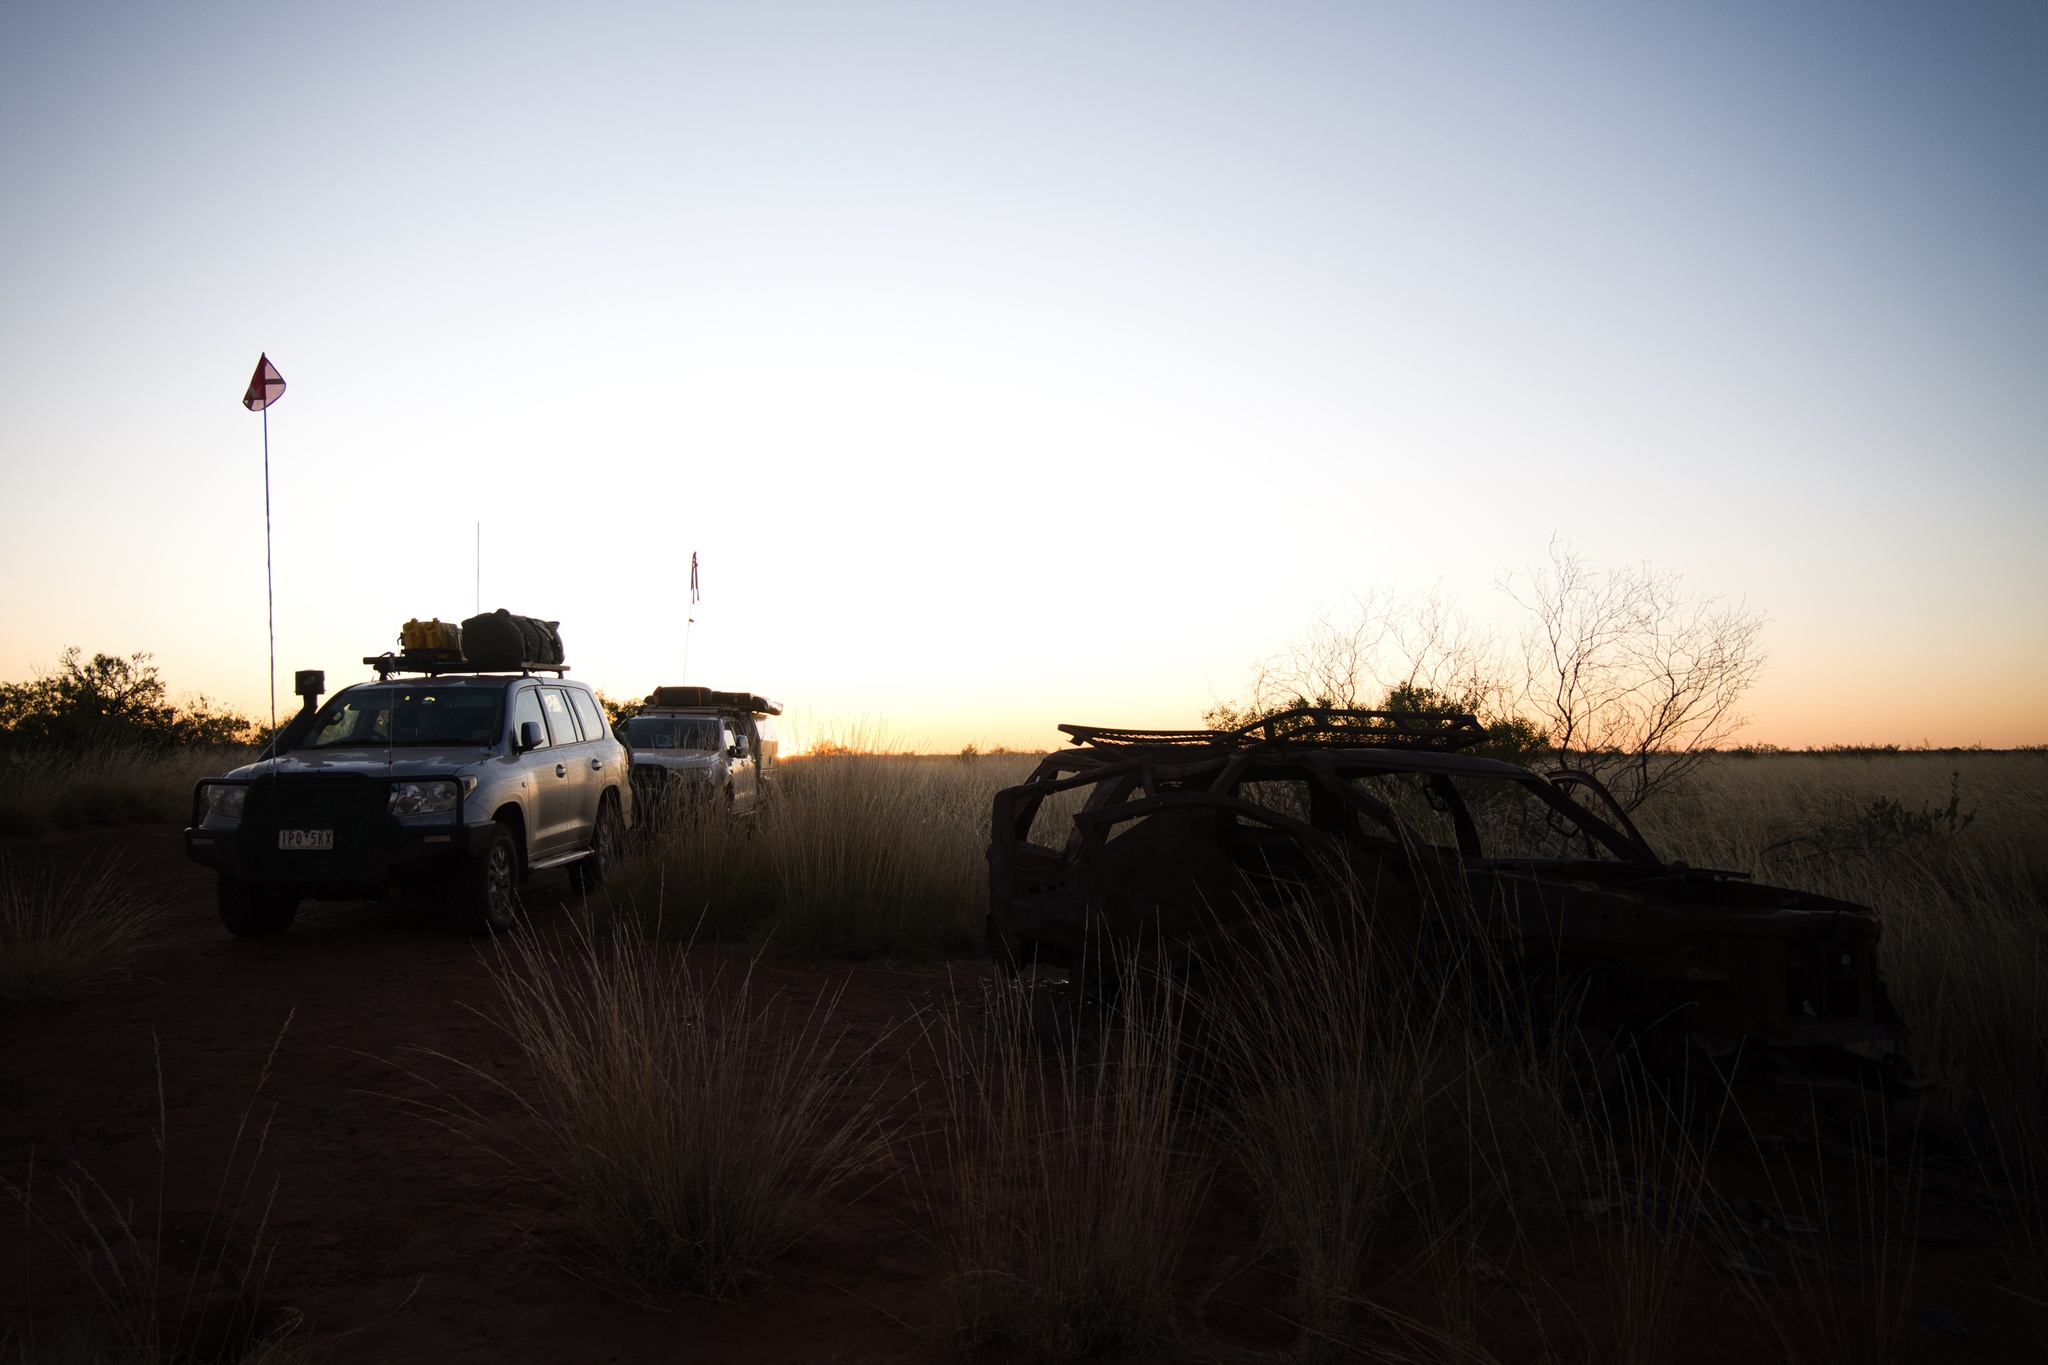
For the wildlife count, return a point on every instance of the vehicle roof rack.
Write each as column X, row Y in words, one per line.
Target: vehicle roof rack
column 1325, row 727
column 436, row 662
column 694, row 697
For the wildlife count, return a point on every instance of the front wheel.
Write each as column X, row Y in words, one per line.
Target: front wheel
column 485, row 894
column 251, row 910
column 607, row 842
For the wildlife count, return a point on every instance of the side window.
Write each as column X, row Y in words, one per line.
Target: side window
column 561, row 720
column 587, row 712
column 527, row 708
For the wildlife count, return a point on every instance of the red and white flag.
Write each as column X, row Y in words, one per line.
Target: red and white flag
column 266, row 386
column 694, row 594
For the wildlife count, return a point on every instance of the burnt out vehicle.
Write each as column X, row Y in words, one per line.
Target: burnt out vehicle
column 1167, row 845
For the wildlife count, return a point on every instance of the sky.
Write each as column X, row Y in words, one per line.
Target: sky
column 1009, row 365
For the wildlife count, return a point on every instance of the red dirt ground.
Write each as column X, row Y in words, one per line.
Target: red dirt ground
column 403, row 1241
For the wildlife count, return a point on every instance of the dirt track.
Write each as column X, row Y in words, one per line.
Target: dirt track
column 403, row 1241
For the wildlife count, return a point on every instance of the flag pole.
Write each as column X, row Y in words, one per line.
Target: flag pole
column 269, row 579
column 690, row 622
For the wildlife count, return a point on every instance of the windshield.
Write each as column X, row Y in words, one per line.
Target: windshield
column 424, row 715
column 1505, row 817
column 673, row 732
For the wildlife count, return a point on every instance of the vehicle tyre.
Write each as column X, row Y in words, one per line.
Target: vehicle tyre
column 607, row 843
column 485, row 895
column 251, row 910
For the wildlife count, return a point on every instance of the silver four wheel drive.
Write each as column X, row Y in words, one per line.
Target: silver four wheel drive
column 695, row 749
column 457, row 784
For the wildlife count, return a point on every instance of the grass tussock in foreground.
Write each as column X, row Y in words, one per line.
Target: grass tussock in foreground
column 44, row 789
column 1076, row 1176
column 694, row 1123
column 860, row 855
column 61, row 936
column 150, row 1307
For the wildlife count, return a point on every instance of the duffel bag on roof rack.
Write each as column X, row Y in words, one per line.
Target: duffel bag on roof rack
column 498, row 639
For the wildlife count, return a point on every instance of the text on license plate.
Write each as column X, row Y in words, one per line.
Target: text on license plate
column 300, row 839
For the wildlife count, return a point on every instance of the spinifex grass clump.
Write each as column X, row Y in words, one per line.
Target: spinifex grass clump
column 1328, row 1050
column 146, row 1310
column 857, row 855
column 1074, row 1183
column 695, row 1124
column 1379, row 1095
column 1643, row 1150
column 1832, row 1263
column 62, row 935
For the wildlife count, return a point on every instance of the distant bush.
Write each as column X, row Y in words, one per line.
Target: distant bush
column 110, row 700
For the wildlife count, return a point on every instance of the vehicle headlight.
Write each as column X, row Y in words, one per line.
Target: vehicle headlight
column 422, row 798
column 226, row 801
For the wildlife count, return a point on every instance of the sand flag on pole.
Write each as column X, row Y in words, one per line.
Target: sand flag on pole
column 266, row 386
column 694, row 593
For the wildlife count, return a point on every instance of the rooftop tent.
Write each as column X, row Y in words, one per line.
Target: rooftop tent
column 713, row 699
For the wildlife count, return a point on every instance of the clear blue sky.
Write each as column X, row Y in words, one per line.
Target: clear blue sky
column 1009, row 365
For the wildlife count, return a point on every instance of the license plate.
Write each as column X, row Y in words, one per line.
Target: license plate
column 299, row 840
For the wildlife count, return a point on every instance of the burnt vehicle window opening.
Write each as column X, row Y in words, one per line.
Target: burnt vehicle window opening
column 1268, row 853
column 1513, row 820
column 1302, row 798
column 1426, row 806
column 1051, row 823
column 408, row 716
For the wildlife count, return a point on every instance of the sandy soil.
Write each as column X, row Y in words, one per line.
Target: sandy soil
column 403, row 1241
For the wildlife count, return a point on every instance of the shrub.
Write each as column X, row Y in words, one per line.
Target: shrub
column 111, row 700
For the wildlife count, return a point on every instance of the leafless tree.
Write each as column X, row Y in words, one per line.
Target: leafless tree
column 1376, row 643
column 1633, row 677
column 1620, row 672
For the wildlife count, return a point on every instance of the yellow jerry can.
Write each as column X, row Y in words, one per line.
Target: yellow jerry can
column 434, row 634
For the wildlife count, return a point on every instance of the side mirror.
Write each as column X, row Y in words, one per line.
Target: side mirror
column 733, row 752
column 531, row 736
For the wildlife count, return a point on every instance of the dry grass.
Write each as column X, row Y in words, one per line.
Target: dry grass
column 1965, row 911
column 1397, row 1134
column 694, row 1123
column 210, row 1309
column 1075, row 1178
column 1330, row 1056
column 49, row 789
column 60, row 936
column 861, row 855
column 1644, row 1171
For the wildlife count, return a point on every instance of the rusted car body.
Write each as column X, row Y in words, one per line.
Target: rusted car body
column 1168, row 844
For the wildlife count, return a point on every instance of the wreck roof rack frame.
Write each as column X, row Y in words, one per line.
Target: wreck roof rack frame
column 1323, row 727
column 411, row 662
